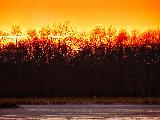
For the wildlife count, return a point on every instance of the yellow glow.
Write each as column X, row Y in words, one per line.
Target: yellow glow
column 83, row 14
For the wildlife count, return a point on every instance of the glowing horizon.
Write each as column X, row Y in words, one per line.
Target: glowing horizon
column 83, row 15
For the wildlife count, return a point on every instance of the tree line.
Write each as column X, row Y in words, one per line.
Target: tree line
column 60, row 61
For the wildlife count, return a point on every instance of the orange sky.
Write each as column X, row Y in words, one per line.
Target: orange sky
column 129, row 14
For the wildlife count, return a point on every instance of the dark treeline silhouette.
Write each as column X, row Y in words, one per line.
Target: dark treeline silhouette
column 104, row 64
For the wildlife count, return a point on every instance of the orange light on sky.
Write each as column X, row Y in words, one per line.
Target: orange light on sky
column 84, row 14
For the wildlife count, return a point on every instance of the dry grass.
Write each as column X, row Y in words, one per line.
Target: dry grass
column 80, row 100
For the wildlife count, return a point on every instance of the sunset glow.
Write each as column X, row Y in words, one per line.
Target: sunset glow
column 83, row 14
column 76, row 25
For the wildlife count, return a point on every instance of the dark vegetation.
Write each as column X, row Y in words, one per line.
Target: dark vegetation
column 106, row 63
column 12, row 102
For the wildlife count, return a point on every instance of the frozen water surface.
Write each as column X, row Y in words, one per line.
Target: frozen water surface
column 82, row 112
